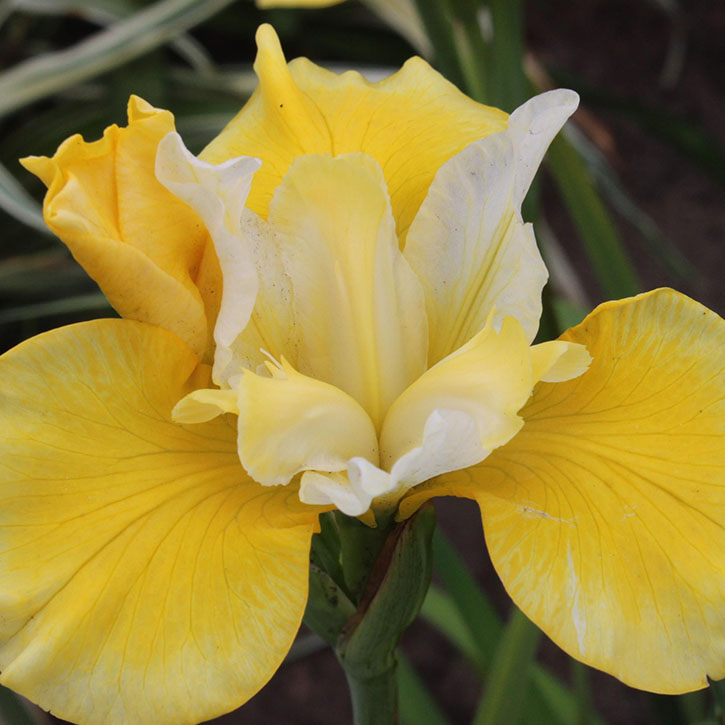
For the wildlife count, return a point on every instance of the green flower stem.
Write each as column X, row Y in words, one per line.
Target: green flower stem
column 363, row 610
column 374, row 699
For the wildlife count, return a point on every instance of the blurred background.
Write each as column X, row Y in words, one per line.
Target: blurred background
column 631, row 198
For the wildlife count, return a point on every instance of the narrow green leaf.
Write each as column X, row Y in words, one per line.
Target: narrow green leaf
column 106, row 12
column 597, row 231
column 66, row 306
column 18, row 203
column 477, row 612
column 507, row 86
column 611, row 187
column 507, row 682
column 436, row 18
column 147, row 29
column 417, row 706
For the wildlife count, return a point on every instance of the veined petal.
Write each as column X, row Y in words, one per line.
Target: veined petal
column 217, row 194
column 468, row 243
column 358, row 308
column 605, row 515
column 148, row 252
column 410, row 123
column 290, row 423
column 138, row 561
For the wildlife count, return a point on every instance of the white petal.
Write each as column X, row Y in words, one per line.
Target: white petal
column 468, row 243
column 217, row 194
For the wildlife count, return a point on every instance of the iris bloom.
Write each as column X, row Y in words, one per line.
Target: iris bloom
column 350, row 317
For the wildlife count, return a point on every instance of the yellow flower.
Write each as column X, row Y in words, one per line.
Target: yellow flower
column 371, row 346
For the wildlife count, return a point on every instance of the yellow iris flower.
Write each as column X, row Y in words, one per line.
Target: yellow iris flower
column 369, row 345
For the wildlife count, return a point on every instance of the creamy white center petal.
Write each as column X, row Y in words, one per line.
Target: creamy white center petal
column 468, row 243
column 351, row 411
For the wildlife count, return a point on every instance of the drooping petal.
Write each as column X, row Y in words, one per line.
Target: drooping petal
column 217, row 194
column 148, row 251
column 143, row 576
column 468, row 243
column 605, row 515
column 410, row 123
column 290, row 423
column 358, row 308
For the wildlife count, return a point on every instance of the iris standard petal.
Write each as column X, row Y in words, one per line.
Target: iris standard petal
column 358, row 308
column 143, row 576
column 217, row 194
column 148, row 252
column 468, row 243
column 605, row 515
column 410, row 123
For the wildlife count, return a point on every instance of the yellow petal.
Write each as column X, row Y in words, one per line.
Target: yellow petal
column 468, row 243
column 461, row 409
column 290, row 423
column 410, row 123
column 605, row 515
column 149, row 253
column 144, row 578
column 359, row 310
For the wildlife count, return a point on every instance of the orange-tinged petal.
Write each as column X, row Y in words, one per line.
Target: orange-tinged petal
column 144, row 578
column 147, row 250
column 410, row 123
column 605, row 515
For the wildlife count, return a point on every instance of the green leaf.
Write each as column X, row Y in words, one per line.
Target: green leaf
column 145, row 30
column 507, row 681
column 480, row 617
column 440, row 610
column 611, row 187
column 18, row 203
column 507, row 86
column 597, row 231
column 417, row 706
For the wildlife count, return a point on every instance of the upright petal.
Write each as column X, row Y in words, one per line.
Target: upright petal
column 605, row 515
column 148, row 251
column 468, row 243
column 358, row 308
column 410, row 123
column 143, row 576
column 217, row 194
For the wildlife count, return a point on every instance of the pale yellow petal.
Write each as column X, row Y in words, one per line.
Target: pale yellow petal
column 205, row 404
column 358, row 307
column 290, row 423
column 605, row 515
column 148, row 251
column 144, row 578
column 461, row 409
column 468, row 243
column 558, row 360
column 410, row 123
